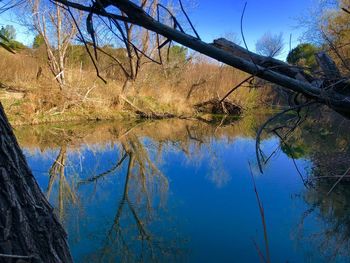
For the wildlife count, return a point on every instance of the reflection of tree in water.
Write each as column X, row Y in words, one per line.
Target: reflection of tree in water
column 199, row 144
column 333, row 211
column 57, row 175
column 324, row 140
column 133, row 241
column 135, row 232
column 329, row 196
column 140, row 230
column 131, row 238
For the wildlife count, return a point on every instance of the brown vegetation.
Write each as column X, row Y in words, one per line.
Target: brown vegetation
column 31, row 95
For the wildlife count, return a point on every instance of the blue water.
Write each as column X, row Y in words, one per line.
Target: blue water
column 185, row 199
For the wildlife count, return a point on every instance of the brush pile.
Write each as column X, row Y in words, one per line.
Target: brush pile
column 215, row 106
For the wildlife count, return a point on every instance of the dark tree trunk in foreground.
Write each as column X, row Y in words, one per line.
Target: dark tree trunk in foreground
column 29, row 230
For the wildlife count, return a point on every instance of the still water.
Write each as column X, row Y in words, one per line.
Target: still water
column 183, row 191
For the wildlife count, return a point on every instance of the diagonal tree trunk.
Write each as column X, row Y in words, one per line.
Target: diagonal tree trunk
column 29, row 229
column 317, row 90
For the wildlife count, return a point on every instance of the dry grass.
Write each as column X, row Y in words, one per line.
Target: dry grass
column 17, row 68
column 173, row 88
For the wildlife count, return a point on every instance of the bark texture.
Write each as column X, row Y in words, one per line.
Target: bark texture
column 29, row 230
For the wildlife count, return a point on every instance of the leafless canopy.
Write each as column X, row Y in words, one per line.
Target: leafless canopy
column 52, row 23
column 270, row 45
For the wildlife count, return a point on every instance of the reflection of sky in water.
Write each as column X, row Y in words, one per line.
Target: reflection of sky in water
column 209, row 212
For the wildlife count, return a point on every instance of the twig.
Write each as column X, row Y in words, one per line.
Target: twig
column 236, row 87
column 86, row 47
column 131, row 104
column 88, row 92
column 257, row 141
column 188, row 19
column 177, row 24
column 158, row 38
column 95, row 10
column 16, row 256
column 128, row 42
column 113, row 58
column 338, row 181
column 346, row 10
column 261, row 255
column 96, row 177
column 244, row 41
column 262, row 214
column 330, row 177
column 293, row 159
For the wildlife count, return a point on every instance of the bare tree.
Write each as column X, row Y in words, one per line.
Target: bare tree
column 137, row 51
column 139, row 43
column 270, row 45
column 53, row 23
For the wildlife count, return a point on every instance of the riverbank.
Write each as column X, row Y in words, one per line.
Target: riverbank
column 21, row 111
column 31, row 95
column 26, row 111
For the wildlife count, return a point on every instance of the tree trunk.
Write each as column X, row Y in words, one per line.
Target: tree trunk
column 29, row 229
column 281, row 75
column 127, row 84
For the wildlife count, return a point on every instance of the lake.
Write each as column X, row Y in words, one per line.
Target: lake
column 183, row 190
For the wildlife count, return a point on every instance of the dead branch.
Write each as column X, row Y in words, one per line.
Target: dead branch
column 281, row 74
column 147, row 115
column 274, row 117
column 338, row 181
column 262, row 215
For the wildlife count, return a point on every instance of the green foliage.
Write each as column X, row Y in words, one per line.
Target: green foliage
column 16, row 45
column 77, row 55
column 178, row 54
column 296, row 151
column 9, row 32
column 38, row 41
column 7, row 39
column 4, row 43
column 303, row 55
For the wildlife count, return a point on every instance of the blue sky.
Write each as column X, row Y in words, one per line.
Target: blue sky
column 217, row 18
column 221, row 17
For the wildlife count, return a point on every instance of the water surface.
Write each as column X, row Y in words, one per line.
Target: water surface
column 183, row 191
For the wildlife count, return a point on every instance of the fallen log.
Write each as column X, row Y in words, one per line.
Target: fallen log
column 235, row 57
column 267, row 62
